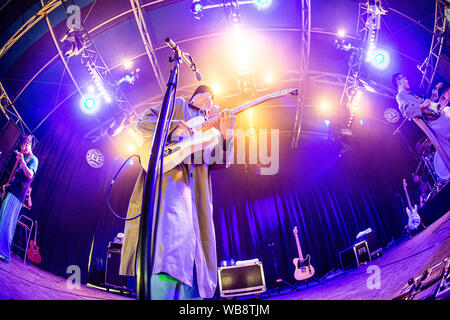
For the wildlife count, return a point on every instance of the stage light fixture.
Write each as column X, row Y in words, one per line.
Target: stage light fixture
column 197, row 9
column 341, row 33
column 361, row 122
column 128, row 64
column 71, row 44
column 89, row 105
column 380, row 59
column 269, row 78
column 327, row 122
column 98, row 82
column 324, row 106
column 263, row 4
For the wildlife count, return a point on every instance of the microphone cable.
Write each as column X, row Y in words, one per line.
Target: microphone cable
column 110, row 187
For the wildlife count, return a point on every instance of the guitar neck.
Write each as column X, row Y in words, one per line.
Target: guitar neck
column 299, row 248
column 409, row 200
column 35, row 232
column 13, row 171
column 216, row 119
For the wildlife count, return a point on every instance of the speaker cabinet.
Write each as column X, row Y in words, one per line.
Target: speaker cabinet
column 241, row 280
column 112, row 277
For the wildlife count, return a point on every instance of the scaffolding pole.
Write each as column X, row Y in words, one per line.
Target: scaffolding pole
column 304, row 67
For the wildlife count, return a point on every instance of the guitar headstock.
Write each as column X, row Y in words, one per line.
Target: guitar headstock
column 404, row 183
column 284, row 92
column 295, row 230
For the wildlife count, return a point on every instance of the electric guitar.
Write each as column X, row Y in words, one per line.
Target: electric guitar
column 433, row 111
column 205, row 135
column 414, row 220
column 33, row 250
column 8, row 183
column 303, row 268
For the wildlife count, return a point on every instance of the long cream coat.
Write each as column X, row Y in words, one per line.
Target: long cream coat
column 186, row 232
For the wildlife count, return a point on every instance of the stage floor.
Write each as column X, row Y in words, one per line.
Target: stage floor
column 398, row 263
column 19, row 281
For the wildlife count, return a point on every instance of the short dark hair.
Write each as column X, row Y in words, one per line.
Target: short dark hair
column 26, row 137
column 395, row 78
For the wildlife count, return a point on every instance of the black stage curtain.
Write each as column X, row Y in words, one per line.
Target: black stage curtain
column 70, row 201
column 329, row 198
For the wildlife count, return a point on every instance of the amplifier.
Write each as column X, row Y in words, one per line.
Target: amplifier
column 112, row 277
column 362, row 253
column 355, row 256
column 347, row 259
column 241, row 280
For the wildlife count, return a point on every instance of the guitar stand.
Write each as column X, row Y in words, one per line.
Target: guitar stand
column 409, row 232
column 306, row 282
column 278, row 284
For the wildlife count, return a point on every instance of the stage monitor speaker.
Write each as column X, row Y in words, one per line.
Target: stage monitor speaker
column 241, row 280
column 348, row 259
column 9, row 137
column 112, row 277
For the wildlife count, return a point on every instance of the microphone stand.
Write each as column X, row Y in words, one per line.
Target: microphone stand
column 150, row 207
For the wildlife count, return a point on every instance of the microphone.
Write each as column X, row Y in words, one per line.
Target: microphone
column 186, row 58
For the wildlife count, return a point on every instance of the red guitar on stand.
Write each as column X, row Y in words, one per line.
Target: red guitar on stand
column 33, row 251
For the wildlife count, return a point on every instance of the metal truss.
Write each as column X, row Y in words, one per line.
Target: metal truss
column 100, row 73
column 305, row 37
column 102, row 76
column 367, row 34
column 45, row 10
column 10, row 112
column 340, row 80
column 135, row 4
column 430, row 65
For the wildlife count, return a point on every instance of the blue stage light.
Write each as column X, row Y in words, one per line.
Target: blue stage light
column 263, row 4
column 380, row 59
column 89, row 105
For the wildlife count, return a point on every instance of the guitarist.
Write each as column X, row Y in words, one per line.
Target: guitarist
column 26, row 167
column 412, row 106
column 185, row 262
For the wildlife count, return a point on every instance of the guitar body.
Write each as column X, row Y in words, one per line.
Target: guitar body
column 433, row 111
column 176, row 152
column 414, row 220
column 33, row 253
column 303, row 269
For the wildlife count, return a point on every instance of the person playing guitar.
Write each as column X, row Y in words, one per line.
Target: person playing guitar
column 434, row 116
column 23, row 174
